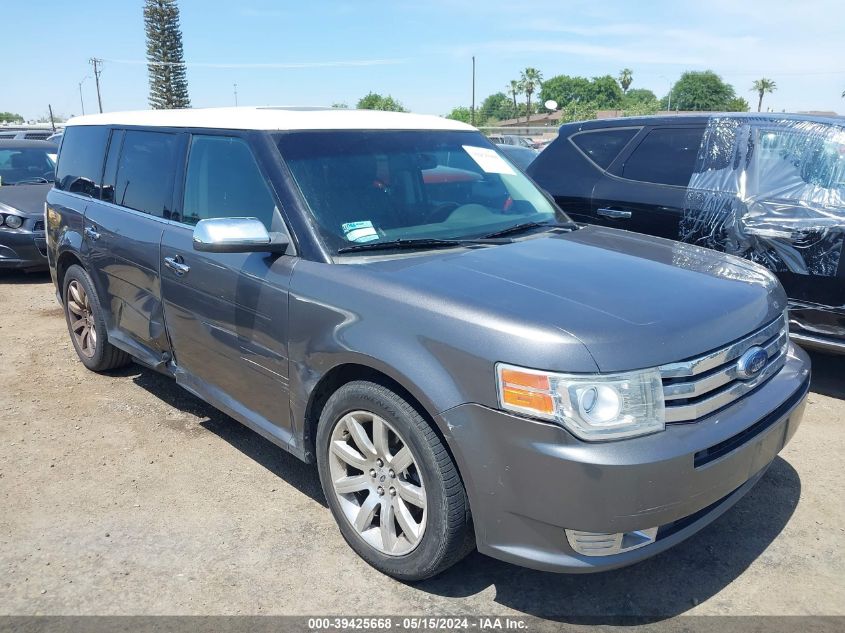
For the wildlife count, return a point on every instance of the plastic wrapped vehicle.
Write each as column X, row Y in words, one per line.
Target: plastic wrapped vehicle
column 769, row 188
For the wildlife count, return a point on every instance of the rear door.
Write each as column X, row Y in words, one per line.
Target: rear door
column 570, row 167
column 123, row 235
column 646, row 186
column 227, row 313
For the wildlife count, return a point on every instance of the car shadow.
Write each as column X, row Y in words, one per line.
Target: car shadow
column 24, row 277
column 828, row 370
column 282, row 464
column 659, row 588
column 656, row 589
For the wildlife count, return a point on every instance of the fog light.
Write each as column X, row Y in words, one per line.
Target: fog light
column 607, row 544
column 14, row 221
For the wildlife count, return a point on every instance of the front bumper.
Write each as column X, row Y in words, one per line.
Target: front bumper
column 528, row 481
column 23, row 249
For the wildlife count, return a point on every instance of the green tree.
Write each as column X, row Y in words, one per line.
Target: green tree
column 701, row 90
column 603, row 92
column 638, row 102
column 530, row 81
column 564, row 89
column 737, row 104
column 340, row 105
column 626, row 76
column 165, row 57
column 375, row 101
column 515, row 89
column 638, row 95
column 461, row 113
column 10, row 117
column 497, row 106
column 761, row 87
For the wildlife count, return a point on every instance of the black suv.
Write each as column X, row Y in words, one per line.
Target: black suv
column 769, row 188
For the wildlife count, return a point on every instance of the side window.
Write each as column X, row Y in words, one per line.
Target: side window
column 81, row 164
column 145, row 172
column 224, row 181
column 814, row 156
column 666, row 156
column 603, row 146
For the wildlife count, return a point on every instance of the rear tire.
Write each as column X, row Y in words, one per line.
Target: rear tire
column 410, row 523
column 86, row 325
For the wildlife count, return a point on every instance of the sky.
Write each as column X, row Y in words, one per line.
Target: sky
column 419, row 51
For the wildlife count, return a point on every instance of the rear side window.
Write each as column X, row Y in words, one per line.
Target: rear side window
column 145, row 172
column 224, row 181
column 666, row 156
column 81, row 164
column 603, row 146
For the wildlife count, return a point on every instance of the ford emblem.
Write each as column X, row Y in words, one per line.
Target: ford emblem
column 751, row 362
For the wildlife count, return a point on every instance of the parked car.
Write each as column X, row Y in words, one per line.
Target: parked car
column 770, row 188
column 464, row 364
column 512, row 139
column 37, row 134
column 27, row 169
column 519, row 156
column 55, row 138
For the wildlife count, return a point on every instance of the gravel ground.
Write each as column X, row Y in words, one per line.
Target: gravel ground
column 123, row 494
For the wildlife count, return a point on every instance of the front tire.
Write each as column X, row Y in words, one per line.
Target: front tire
column 86, row 325
column 391, row 484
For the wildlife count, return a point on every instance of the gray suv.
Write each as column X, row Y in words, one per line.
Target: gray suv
column 388, row 296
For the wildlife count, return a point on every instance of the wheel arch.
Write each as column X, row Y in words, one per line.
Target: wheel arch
column 65, row 260
column 347, row 372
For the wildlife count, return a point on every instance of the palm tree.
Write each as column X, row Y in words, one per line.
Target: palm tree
column 514, row 89
column 626, row 76
column 762, row 86
column 530, row 81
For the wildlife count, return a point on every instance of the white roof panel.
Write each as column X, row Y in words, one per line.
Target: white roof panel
column 270, row 118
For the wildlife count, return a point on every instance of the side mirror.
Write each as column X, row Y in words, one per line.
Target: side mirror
column 237, row 235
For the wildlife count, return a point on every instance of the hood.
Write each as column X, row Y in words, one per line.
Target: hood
column 634, row 301
column 28, row 199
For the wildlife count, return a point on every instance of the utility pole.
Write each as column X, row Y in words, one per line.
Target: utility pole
column 52, row 122
column 97, row 70
column 236, row 94
column 81, row 100
column 472, row 110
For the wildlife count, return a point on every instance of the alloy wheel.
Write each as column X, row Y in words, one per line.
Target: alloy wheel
column 81, row 319
column 377, row 483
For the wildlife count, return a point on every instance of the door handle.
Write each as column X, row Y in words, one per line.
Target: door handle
column 617, row 214
column 91, row 232
column 177, row 265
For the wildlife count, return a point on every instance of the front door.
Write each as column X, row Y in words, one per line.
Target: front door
column 647, row 190
column 227, row 312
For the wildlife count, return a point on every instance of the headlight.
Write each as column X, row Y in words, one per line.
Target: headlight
column 592, row 407
column 14, row 221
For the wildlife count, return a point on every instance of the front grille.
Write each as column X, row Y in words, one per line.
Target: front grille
column 38, row 226
column 695, row 388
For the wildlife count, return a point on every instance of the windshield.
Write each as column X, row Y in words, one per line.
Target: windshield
column 383, row 186
column 20, row 165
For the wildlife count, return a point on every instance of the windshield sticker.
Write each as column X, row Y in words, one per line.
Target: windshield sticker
column 488, row 160
column 359, row 231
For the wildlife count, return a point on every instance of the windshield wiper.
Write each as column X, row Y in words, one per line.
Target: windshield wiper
column 524, row 226
column 416, row 243
column 518, row 228
column 36, row 180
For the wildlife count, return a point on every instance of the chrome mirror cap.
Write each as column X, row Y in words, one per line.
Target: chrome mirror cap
column 235, row 235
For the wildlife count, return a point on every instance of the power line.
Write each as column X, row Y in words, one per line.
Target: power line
column 327, row 64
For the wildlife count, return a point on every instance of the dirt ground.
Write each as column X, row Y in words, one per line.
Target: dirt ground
column 123, row 494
